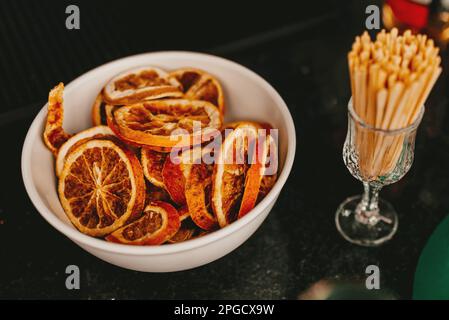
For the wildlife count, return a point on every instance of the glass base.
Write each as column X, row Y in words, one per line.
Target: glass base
column 366, row 231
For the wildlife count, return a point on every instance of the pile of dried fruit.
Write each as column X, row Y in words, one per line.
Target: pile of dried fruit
column 139, row 175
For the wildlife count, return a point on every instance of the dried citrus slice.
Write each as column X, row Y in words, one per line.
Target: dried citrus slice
column 99, row 111
column 159, row 149
column 199, row 85
column 174, row 179
column 154, row 193
column 266, row 184
column 54, row 134
column 165, row 123
column 91, row 133
column 152, row 163
column 143, row 83
column 188, row 228
column 113, row 126
column 258, row 179
column 183, row 213
column 176, row 170
column 101, row 187
column 183, row 234
column 187, row 231
column 159, row 223
column 198, row 193
column 270, row 176
column 230, row 170
column 235, row 124
column 201, row 233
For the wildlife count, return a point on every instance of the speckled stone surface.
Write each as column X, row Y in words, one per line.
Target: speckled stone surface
column 298, row 244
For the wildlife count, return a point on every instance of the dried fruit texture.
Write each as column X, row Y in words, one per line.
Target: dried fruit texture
column 149, row 114
column 174, row 179
column 198, row 194
column 54, row 134
column 258, row 180
column 101, row 187
column 184, row 213
column 154, row 193
column 152, row 163
column 230, row 170
column 183, row 234
column 159, row 223
column 233, row 125
column 140, row 84
column 266, row 184
column 165, row 123
column 99, row 111
column 176, row 171
column 199, row 85
column 188, row 230
column 99, row 132
column 159, row 149
column 200, row 234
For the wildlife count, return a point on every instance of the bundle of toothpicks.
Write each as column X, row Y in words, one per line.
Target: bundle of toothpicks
column 391, row 79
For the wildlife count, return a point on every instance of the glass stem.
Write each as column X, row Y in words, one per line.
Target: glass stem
column 367, row 211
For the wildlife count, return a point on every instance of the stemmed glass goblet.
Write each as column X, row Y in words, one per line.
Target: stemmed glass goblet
column 377, row 158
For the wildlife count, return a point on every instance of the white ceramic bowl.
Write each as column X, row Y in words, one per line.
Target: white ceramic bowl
column 248, row 97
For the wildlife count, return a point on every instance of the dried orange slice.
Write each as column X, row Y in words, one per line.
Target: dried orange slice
column 198, row 193
column 183, row 234
column 183, row 213
column 174, row 179
column 54, row 134
column 202, row 233
column 159, row 223
column 235, row 124
column 175, row 171
column 266, row 184
column 258, row 179
column 187, row 230
column 144, row 83
column 154, row 193
column 159, row 149
column 230, row 170
column 152, row 163
column 165, row 123
column 99, row 111
column 101, row 187
column 98, row 132
column 199, row 85
column 270, row 176
column 113, row 126
column 188, row 180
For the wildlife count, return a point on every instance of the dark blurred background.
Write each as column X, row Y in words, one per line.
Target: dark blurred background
column 37, row 50
column 300, row 47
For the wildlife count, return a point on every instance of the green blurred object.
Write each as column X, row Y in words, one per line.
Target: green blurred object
column 358, row 292
column 432, row 273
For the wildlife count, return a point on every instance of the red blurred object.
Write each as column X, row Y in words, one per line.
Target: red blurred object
column 410, row 13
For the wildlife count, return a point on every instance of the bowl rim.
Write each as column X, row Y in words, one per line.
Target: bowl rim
column 103, row 245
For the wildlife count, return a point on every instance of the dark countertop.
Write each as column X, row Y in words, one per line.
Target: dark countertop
column 298, row 244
